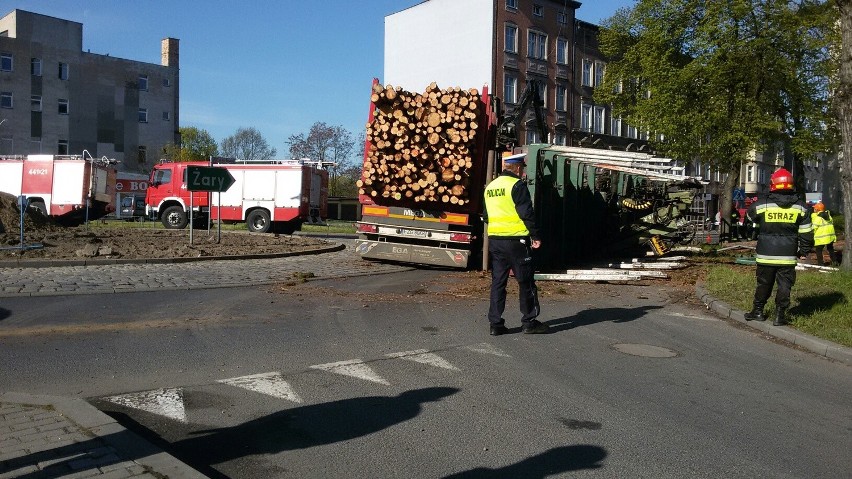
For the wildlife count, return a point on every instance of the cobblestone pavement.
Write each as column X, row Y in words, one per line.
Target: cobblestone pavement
column 51, row 437
column 122, row 278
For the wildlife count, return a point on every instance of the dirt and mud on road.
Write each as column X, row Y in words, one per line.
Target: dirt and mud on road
column 63, row 243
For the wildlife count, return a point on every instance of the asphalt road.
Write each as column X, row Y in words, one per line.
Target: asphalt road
column 383, row 376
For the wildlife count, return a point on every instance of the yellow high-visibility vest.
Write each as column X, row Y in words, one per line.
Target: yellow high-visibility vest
column 503, row 219
column 823, row 230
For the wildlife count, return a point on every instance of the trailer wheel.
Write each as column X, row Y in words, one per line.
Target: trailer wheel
column 174, row 218
column 39, row 206
column 258, row 221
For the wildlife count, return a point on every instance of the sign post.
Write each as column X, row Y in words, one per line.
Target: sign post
column 211, row 179
column 22, row 205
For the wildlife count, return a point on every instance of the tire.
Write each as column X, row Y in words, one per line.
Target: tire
column 258, row 221
column 40, row 207
column 174, row 218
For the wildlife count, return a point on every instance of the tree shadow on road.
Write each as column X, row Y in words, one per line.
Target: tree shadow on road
column 4, row 313
column 546, row 464
column 589, row 317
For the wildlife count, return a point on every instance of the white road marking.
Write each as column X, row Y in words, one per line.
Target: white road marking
column 487, row 349
column 681, row 315
column 271, row 384
column 423, row 356
column 353, row 367
column 165, row 402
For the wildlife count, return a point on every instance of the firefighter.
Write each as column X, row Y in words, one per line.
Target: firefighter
column 824, row 236
column 785, row 234
column 512, row 235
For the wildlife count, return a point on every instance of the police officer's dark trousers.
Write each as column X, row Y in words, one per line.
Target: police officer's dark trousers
column 515, row 255
column 767, row 276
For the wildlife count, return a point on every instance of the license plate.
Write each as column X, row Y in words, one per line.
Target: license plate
column 419, row 233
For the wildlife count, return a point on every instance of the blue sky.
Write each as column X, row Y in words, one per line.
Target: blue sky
column 278, row 66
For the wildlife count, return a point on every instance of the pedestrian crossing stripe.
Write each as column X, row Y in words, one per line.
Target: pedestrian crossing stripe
column 354, row 368
column 164, row 402
column 271, row 384
column 423, row 356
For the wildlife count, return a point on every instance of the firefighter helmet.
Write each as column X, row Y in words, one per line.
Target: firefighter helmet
column 781, row 180
column 819, row 207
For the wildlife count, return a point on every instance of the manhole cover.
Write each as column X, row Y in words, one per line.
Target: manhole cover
column 644, row 350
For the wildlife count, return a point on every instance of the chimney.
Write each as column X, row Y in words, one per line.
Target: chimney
column 170, row 50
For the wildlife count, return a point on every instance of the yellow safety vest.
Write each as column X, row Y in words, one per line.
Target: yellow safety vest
column 503, row 219
column 823, row 230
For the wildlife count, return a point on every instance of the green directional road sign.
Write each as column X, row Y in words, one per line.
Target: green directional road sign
column 208, row 178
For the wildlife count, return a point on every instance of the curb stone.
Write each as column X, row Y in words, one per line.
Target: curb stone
column 811, row 343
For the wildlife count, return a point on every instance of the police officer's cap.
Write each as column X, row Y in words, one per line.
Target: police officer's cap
column 516, row 158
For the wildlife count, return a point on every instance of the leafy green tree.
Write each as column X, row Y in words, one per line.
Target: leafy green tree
column 195, row 145
column 247, row 144
column 333, row 147
column 720, row 79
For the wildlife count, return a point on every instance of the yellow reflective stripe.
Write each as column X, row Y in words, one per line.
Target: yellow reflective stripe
column 779, row 260
column 805, row 228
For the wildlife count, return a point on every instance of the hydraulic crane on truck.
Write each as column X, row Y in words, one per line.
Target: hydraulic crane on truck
column 507, row 131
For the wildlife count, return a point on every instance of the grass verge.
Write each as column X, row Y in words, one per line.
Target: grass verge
column 820, row 302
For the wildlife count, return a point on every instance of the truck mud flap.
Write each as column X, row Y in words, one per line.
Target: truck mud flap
column 454, row 258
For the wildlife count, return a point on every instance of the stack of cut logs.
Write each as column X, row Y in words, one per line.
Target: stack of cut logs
column 422, row 146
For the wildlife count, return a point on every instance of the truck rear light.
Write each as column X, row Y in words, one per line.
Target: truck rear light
column 460, row 237
column 365, row 228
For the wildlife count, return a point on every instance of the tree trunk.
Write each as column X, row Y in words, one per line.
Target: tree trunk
column 726, row 203
column 844, row 107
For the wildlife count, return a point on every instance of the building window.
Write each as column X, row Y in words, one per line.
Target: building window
column 35, row 146
column 512, row 4
column 166, row 116
column 600, row 116
column 631, row 131
column 143, row 82
column 62, row 148
column 532, row 135
column 561, row 138
column 537, row 46
column 615, row 127
column 167, row 83
column 35, row 67
column 6, row 62
column 510, row 88
column 511, row 45
column 587, row 73
column 7, row 145
column 562, row 18
column 6, row 99
column 586, row 117
column 562, row 51
column 143, row 115
column 538, row 10
column 600, row 68
column 63, row 107
column 561, row 97
column 750, row 173
column 35, row 102
column 142, row 155
column 63, row 71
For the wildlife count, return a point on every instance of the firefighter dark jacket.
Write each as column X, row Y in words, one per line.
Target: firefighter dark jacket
column 785, row 228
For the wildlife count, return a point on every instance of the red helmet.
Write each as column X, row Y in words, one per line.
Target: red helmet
column 781, row 180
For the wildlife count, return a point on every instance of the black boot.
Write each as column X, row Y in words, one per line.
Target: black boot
column 780, row 317
column 756, row 313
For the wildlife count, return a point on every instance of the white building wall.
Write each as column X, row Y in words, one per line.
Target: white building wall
column 444, row 41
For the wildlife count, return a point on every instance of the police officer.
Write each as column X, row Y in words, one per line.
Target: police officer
column 824, row 235
column 785, row 234
column 512, row 235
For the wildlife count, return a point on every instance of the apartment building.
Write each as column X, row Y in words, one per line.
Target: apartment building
column 507, row 45
column 56, row 98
